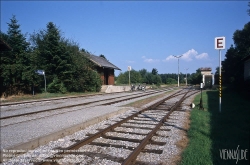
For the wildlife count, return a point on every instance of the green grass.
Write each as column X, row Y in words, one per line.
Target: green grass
column 42, row 96
column 211, row 131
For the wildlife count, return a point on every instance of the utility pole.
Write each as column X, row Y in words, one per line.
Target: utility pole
column 178, row 66
column 186, row 76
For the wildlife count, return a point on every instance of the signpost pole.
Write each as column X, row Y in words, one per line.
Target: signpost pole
column 186, row 76
column 44, row 81
column 129, row 69
column 220, row 43
column 220, row 81
column 129, row 78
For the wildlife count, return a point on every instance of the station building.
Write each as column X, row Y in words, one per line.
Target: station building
column 207, row 77
column 104, row 68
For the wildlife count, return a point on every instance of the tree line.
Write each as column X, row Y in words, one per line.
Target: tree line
column 233, row 65
column 66, row 66
column 144, row 76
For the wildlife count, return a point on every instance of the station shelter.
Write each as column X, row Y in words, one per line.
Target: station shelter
column 207, row 77
column 105, row 69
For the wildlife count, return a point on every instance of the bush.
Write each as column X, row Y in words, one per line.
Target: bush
column 93, row 83
column 57, row 86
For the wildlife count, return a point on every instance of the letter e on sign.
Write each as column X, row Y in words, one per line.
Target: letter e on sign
column 220, row 43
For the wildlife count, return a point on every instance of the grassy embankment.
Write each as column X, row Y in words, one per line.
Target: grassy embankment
column 210, row 131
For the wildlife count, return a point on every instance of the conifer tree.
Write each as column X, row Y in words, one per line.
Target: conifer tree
column 15, row 63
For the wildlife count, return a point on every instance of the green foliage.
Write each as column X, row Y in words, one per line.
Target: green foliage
column 233, row 66
column 174, row 76
column 154, row 71
column 211, row 131
column 93, row 81
column 135, row 77
column 196, row 78
column 16, row 65
column 101, row 55
column 171, row 81
column 56, row 86
column 67, row 69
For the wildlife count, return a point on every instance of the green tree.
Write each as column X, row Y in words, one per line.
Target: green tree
column 16, row 71
column 54, row 55
column 233, row 65
column 143, row 73
column 171, row 81
column 154, row 71
column 101, row 55
column 135, row 77
column 196, row 78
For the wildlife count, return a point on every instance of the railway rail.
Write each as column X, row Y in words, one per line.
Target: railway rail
column 101, row 102
column 148, row 124
column 53, row 99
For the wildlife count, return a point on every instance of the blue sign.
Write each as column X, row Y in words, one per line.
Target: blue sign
column 40, row 72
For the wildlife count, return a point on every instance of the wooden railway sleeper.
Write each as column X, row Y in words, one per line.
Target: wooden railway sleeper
column 97, row 135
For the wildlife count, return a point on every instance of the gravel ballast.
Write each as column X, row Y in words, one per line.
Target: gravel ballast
column 170, row 136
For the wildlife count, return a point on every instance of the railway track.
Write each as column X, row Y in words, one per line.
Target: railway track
column 54, row 99
column 117, row 99
column 68, row 108
column 134, row 136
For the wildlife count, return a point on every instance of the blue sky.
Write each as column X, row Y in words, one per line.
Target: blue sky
column 141, row 34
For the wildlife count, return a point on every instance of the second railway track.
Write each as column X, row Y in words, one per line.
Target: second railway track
column 112, row 100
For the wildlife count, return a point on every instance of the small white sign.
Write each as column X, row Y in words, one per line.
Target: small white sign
column 220, row 43
column 202, row 85
column 40, row 72
column 129, row 68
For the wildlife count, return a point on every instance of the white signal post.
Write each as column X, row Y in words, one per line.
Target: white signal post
column 129, row 69
column 220, row 43
column 186, row 76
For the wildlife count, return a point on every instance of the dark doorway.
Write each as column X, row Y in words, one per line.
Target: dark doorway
column 106, row 77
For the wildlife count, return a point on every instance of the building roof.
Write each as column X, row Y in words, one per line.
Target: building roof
column 206, row 69
column 102, row 62
column 4, row 46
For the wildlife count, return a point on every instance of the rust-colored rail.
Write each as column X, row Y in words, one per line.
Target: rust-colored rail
column 92, row 137
column 132, row 157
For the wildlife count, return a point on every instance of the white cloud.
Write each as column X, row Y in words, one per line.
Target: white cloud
column 202, row 56
column 171, row 57
column 149, row 60
column 189, row 56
